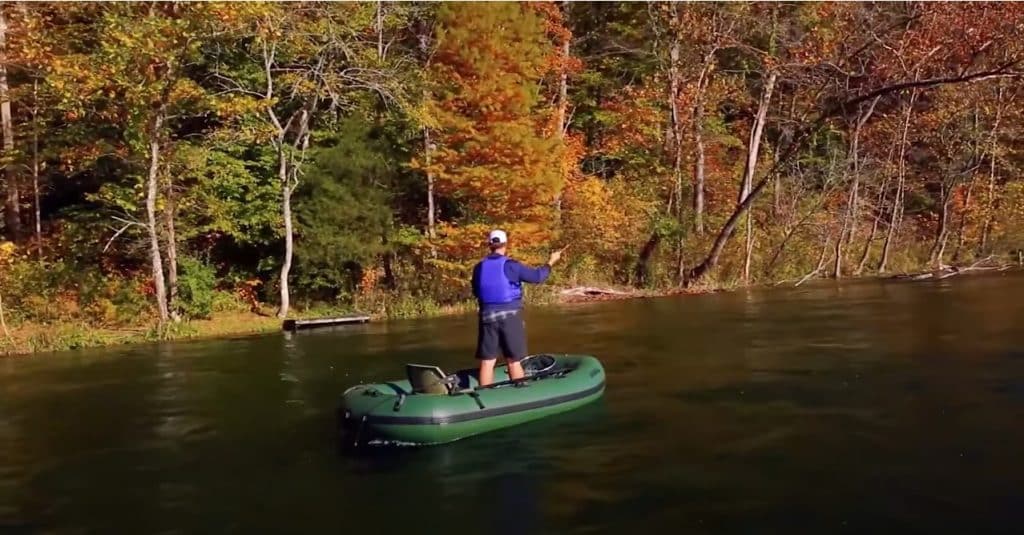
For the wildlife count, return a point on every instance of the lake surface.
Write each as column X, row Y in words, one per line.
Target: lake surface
column 834, row 408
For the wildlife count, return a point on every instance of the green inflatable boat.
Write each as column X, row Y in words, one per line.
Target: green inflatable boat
column 431, row 407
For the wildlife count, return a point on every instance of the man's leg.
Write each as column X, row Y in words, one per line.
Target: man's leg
column 515, row 369
column 513, row 342
column 487, row 348
column 487, row 371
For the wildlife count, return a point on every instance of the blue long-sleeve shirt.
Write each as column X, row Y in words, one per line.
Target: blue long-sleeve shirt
column 515, row 272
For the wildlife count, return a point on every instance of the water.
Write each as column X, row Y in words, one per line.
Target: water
column 850, row 408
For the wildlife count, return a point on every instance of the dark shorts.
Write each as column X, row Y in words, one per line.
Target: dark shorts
column 503, row 335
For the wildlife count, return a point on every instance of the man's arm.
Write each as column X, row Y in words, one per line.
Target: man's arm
column 517, row 272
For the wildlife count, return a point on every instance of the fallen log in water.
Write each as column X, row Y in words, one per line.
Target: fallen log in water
column 945, row 272
column 591, row 291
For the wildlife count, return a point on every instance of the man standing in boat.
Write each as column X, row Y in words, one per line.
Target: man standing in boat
column 497, row 285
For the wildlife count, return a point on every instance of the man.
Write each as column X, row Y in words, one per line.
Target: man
column 497, row 285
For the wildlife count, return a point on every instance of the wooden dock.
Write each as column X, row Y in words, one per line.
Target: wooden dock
column 295, row 325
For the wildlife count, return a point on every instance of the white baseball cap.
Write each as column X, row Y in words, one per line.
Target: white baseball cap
column 497, row 237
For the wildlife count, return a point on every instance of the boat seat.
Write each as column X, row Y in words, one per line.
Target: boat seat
column 535, row 364
column 429, row 379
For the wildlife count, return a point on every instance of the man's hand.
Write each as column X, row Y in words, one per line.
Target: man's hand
column 555, row 257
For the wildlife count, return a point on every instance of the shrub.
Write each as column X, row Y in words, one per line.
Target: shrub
column 225, row 301
column 196, row 281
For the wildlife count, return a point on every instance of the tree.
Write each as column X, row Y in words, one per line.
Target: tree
column 311, row 59
column 137, row 82
column 342, row 210
column 12, row 199
column 989, row 54
column 314, row 149
column 495, row 154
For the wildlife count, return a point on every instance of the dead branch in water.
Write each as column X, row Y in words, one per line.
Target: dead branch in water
column 591, row 291
column 945, row 272
column 820, row 266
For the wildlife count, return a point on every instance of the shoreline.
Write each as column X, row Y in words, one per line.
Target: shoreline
column 617, row 294
column 36, row 339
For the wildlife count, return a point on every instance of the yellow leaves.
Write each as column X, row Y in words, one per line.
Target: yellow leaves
column 235, row 105
column 185, row 90
column 7, row 250
column 600, row 217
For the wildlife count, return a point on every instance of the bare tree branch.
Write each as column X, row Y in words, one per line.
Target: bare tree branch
column 1000, row 72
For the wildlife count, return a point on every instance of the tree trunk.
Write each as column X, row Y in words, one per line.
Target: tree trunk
column 993, row 157
column 750, row 167
column 35, row 167
column 754, row 143
column 963, row 221
column 874, row 228
column 675, row 125
column 883, row 190
column 287, row 167
column 837, row 267
column 730, row 225
column 289, row 174
column 563, row 85
column 698, row 170
column 172, row 252
column 423, row 38
column 430, row 184
column 776, row 197
column 849, row 227
column 12, row 201
column 947, row 190
column 286, row 214
column 942, row 232
column 151, row 225
column 380, row 30
column 677, row 135
column 785, row 138
column 978, row 155
column 643, row 262
column 990, row 201
column 749, row 247
column 698, row 144
column 561, row 111
column 897, row 203
column 821, row 256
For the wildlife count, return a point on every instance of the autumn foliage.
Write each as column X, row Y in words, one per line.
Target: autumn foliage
column 492, row 156
column 872, row 138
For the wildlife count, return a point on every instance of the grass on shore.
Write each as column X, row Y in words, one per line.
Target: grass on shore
column 28, row 338
column 41, row 338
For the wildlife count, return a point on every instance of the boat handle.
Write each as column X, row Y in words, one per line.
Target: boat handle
column 476, row 398
column 399, row 402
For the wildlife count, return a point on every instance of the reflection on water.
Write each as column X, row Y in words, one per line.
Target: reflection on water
column 851, row 407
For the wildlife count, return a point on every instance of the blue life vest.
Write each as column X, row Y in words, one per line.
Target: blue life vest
column 495, row 287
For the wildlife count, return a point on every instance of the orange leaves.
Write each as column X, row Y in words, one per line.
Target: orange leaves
column 638, row 116
column 492, row 155
column 946, row 37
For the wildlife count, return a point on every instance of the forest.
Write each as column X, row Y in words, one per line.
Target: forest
column 165, row 163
